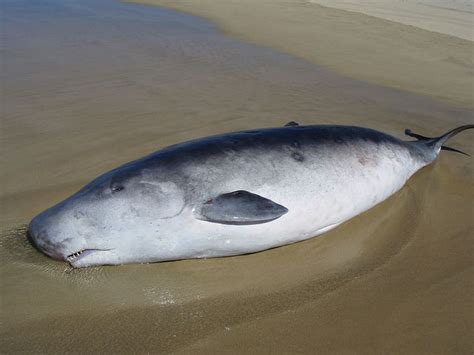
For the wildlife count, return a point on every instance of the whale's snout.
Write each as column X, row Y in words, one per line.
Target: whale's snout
column 61, row 233
column 52, row 233
column 39, row 235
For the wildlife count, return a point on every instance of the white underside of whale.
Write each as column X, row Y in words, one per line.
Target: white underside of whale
column 319, row 197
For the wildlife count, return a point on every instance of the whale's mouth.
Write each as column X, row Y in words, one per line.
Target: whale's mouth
column 80, row 254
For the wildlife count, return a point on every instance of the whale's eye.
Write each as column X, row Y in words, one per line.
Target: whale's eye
column 117, row 188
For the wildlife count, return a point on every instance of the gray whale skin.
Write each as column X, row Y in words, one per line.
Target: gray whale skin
column 231, row 194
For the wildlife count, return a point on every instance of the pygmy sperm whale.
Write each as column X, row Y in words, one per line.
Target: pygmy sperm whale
column 231, row 194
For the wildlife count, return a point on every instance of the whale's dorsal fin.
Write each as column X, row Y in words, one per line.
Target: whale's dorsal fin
column 240, row 208
column 292, row 124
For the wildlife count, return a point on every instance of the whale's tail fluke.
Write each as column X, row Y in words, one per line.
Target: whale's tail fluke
column 436, row 143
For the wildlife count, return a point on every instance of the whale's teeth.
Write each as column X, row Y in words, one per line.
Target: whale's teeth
column 73, row 256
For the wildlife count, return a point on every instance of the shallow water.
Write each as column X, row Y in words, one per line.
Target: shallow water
column 88, row 85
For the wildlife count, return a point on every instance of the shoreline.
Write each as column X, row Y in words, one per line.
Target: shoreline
column 356, row 45
column 454, row 18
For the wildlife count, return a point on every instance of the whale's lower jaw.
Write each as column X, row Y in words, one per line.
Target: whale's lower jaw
column 91, row 257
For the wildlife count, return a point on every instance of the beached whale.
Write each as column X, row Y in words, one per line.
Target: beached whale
column 231, row 194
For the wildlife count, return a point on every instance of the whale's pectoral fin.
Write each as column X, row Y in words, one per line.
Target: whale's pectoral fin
column 240, row 208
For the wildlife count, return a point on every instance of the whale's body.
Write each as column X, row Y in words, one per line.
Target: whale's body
column 230, row 194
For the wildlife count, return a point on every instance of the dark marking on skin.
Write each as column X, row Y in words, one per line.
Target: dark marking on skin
column 117, row 188
column 135, row 211
column 230, row 153
column 79, row 214
column 296, row 145
column 298, row 157
column 295, row 151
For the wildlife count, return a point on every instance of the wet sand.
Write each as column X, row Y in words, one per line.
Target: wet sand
column 90, row 85
column 354, row 44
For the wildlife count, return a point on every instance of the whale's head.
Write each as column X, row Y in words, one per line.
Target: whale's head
column 117, row 218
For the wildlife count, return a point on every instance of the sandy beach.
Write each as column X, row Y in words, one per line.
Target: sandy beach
column 364, row 47
column 89, row 85
column 454, row 18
